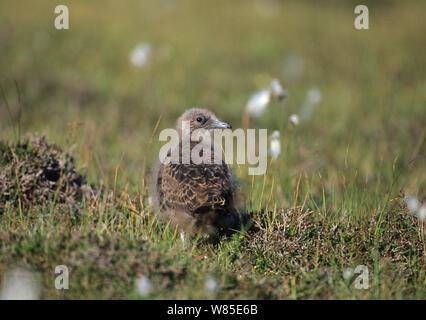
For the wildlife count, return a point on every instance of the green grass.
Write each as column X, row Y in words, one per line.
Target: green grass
column 332, row 200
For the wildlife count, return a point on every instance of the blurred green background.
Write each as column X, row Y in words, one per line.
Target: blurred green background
column 78, row 85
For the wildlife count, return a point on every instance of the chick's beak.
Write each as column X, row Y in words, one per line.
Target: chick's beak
column 220, row 125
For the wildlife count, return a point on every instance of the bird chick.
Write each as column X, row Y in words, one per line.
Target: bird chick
column 196, row 198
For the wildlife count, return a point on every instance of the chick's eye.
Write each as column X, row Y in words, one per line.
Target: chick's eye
column 199, row 119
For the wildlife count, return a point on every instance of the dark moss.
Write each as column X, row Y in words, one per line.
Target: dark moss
column 34, row 172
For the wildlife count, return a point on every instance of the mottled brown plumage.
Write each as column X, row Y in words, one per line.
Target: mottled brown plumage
column 196, row 197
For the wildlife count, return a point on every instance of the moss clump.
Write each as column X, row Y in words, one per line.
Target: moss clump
column 34, row 173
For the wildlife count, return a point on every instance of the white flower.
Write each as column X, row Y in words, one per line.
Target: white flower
column 277, row 90
column 211, row 286
column 314, row 96
column 275, row 144
column 412, row 204
column 140, row 55
column 294, row 119
column 415, row 207
column 421, row 214
column 275, row 135
column 143, row 286
column 20, row 284
column 347, row 273
column 258, row 103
